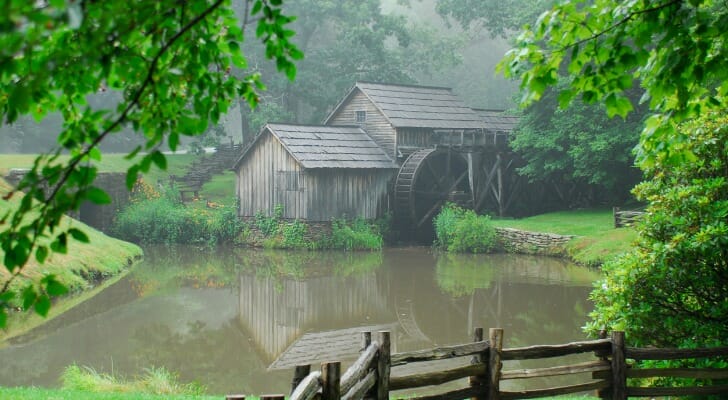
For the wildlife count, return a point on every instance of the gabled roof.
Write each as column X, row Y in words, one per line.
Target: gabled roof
column 496, row 120
column 408, row 106
column 316, row 146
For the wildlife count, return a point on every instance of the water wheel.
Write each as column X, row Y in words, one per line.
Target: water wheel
column 429, row 178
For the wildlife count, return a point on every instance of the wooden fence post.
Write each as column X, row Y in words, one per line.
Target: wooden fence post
column 606, row 393
column 494, row 363
column 235, row 397
column 615, row 211
column 478, row 381
column 366, row 340
column 298, row 374
column 273, row 397
column 619, row 367
column 330, row 381
column 383, row 366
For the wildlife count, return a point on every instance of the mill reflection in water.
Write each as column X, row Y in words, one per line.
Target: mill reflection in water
column 229, row 319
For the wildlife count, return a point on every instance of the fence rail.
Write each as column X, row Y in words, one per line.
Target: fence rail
column 608, row 374
column 624, row 218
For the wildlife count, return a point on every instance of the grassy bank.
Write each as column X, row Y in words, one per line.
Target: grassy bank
column 596, row 240
column 81, row 269
column 63, row 394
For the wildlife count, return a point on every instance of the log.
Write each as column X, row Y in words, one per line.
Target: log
column 308, row 387
column 458, row 394
column 362, row 387
column 383, row 366
column 440, row 353
column 619, row 367
column 360, row 368
column 330, row 381
column 636, row 353
column 555, row 391
column 435, row 377
column 696, row 373
column 677, row 391
column 494, row 363
column 546, row 351
column 589, row 366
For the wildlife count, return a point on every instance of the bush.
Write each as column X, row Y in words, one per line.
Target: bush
column 154, row 217
column 463, row 231
column 357, row 234
column 671, row 290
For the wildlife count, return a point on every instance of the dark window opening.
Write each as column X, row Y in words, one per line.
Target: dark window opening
column 361, row 116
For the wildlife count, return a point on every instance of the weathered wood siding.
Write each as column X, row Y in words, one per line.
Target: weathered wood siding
column 376, row 124
column 351, row 193
column 415, row 137
column 263, row 181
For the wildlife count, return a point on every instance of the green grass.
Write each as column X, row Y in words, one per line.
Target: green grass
column 79, row 270
column 111, row 162
column 596, row 240
column 220, row 189
column 63, row 394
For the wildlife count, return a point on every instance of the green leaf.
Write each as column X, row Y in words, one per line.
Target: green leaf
column 97, row 196
column 41, row 253
column 78, row 235
column 29, row 297
column 159, row 160
column 3, row 317
column 53, row 287
column 43, row 305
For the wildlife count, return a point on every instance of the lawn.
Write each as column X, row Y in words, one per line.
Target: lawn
column 110, row 162
column 596, row 241
column 80, row 269
column 63, row 394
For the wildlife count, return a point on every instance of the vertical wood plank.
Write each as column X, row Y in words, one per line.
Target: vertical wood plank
column 619, row 367
column 235, row 397
column 605, row 393
column 299, row 373
column 494, row 363
column 366, row 340
column 477, row 381
column 331, row 379
column 383, row 366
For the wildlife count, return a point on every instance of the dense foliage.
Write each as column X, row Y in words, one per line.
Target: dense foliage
column 672, row 290
column 579, row 146
column 154, row 217
column 357, row 234
column 170, row 63
column 463, row 231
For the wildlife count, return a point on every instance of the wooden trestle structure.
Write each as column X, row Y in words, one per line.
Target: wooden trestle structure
column 475, row 169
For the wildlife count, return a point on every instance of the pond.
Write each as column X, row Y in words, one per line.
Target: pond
column 235, row 320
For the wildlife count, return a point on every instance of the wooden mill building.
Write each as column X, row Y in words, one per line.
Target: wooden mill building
column 399, row 148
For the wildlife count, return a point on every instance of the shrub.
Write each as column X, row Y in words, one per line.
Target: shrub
column 154, row 381
column 153, row 217
column 463, row 231
column 356, row 234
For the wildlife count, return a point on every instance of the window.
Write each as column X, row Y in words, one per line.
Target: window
column 361, row 116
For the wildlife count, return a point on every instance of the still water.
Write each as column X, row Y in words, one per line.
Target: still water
column 230, row 318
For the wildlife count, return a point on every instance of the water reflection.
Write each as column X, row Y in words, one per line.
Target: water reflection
column 224, row 318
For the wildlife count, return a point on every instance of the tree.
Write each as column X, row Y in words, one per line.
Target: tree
column 579, row 146
column 346, row 41
column 671, row 290
column 170, row 61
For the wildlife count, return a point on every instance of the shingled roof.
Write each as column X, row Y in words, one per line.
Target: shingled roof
column 408, row 106
column 316, row 146
column 496, row 120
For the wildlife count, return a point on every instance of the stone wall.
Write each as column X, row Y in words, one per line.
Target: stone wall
column 316, row 230
column 518, row 241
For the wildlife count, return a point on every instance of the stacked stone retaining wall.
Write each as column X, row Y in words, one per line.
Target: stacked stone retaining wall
column 315, row 232
column 518, row 241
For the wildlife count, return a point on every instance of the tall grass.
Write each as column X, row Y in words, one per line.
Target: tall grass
column 160, row 217
column 357, row 234
column 154, row 381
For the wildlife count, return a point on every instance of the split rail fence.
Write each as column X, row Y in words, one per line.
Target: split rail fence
column 369, row 376
column 624, row 218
